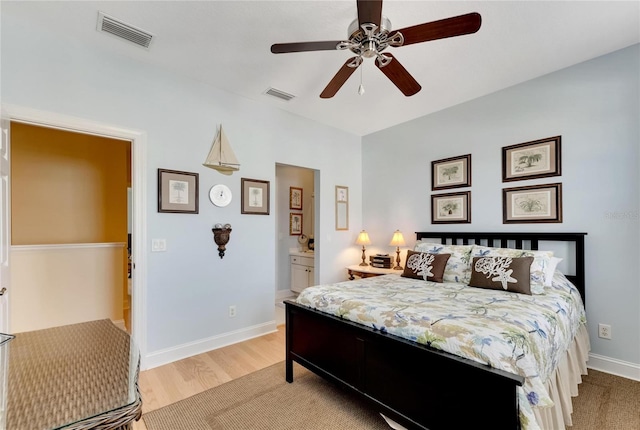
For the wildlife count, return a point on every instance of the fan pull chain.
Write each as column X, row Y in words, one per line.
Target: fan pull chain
column 361, row 87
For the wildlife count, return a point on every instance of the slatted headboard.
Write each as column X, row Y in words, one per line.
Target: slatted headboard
column 519, row 241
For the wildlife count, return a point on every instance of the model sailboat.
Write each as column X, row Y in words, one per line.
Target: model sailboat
column 221, row 156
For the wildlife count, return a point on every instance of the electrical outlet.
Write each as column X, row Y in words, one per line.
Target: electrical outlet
column 604, row 331
column 232, row 311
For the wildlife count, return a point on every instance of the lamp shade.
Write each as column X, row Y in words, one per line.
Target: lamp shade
column 363, row 238
column 397, row 239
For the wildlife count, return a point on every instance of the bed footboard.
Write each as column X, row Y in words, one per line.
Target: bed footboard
column 415, row 385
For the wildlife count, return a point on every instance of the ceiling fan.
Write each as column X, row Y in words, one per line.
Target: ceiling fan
column 370, row 34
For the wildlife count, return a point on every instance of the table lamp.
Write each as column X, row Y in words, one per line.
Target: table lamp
column 363, row 239
column 397, row 240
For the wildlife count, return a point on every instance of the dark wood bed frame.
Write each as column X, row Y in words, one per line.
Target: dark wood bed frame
column 415, row 385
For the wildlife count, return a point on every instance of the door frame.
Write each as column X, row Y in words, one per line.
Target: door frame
column 5, row 233
column 138, row 141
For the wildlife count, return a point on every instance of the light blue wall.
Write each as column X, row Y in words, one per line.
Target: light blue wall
column 189, row 286
column 595, row 107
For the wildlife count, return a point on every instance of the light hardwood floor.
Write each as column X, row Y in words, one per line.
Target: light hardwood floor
column 167, row 384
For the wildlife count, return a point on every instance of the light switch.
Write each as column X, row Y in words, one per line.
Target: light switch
column 158, row 245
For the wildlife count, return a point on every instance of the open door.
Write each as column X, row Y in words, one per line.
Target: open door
column 5, row 222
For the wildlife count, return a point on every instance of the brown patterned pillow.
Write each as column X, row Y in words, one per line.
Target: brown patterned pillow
column 502, row 273
column 423, row 265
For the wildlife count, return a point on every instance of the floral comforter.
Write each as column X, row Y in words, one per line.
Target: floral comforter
column 521, row 334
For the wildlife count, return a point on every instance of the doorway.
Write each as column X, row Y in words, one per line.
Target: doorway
column 296, row 225
column 69, row 228
column 138, row 141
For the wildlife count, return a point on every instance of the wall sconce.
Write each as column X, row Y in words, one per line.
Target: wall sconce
column 397, row 240
column 363, row 239
column 221, row 237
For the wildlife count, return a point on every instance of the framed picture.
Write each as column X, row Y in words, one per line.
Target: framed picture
column 342, row 207
column 535, row 159
column 452, row 172
column 451, row 208
column 536, row 203
column 295, row 198
column 295, row 224
column 177, row 192
column 255, row 197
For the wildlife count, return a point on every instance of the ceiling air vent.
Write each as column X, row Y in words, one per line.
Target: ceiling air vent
column 111, row 25
column 279, row 94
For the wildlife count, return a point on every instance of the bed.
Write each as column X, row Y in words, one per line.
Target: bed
column 426, row 382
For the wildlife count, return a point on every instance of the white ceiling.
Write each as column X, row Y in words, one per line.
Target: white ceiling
column 227, row 44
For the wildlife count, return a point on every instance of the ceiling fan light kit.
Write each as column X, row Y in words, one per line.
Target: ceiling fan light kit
column 370, row 34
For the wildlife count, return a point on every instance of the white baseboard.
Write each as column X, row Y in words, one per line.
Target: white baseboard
column 190, row 349
column 615, row 367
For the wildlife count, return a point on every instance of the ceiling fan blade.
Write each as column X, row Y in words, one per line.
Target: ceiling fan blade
column 399, row 76
column 449, row 27
column 369, row 11
column 339, row 79
column 283, row 48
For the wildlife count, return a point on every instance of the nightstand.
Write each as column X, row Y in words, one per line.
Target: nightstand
column 368, row 271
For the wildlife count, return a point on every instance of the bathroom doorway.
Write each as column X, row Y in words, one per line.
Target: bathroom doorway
column 296, row 202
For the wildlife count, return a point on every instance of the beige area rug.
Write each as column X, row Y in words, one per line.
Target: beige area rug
column 606, row 402
column 264, row 400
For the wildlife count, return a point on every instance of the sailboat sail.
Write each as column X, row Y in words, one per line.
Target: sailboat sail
column 221, row 156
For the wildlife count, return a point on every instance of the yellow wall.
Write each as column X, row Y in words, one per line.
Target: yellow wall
column 67, row 187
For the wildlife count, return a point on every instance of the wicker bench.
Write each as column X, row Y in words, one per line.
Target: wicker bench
column 79, row 376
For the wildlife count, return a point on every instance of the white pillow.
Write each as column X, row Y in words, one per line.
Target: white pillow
column 541, row 260
column 550, row 270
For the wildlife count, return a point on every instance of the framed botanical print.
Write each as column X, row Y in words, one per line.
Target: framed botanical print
column 529, row 160
column 255, row 197
column 295, row 224
column 177, row 191
column 295, row 198
column 454, row 172
column 532, row 204
column 451, row 208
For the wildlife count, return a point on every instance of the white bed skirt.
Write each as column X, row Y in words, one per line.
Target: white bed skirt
column 563, row 384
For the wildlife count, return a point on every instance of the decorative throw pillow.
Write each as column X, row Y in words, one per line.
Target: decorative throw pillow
column 541, row 260
column 502, row 273
column 422, row 265
column 458, row 268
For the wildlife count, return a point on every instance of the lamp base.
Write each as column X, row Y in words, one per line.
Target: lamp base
column 364, row 257
column 398, row 266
